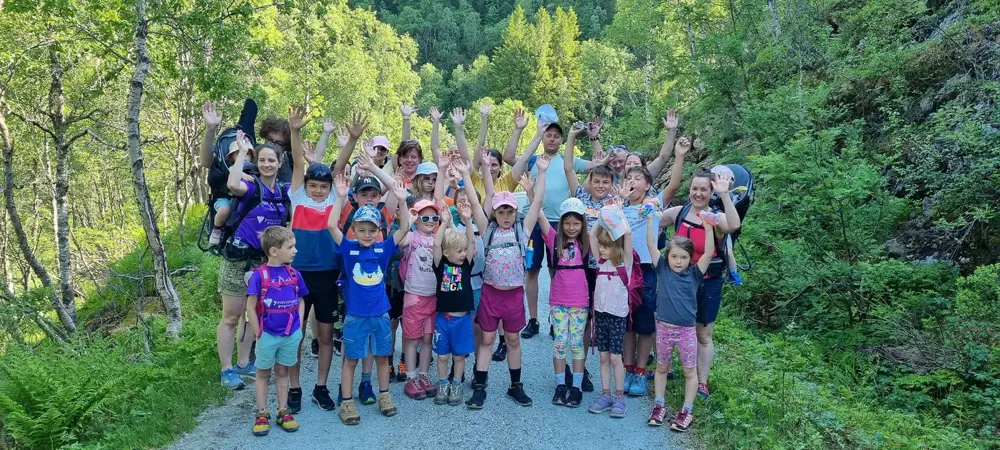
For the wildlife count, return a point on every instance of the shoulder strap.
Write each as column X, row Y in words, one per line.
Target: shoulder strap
column 350, row 218
column 385, row 222
column 531, row 163
column 265, row 281
column 681, row 215
column 293, row 275
column 623, row 275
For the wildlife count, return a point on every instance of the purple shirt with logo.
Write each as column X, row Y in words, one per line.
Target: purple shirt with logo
column 269, row 212
column 279, row 297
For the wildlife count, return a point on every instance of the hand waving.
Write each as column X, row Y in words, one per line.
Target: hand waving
column 212, row 118
column 670, row 122
column 358, row 124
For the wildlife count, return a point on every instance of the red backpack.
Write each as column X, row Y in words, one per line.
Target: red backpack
column 633, row 282
column 265, row 285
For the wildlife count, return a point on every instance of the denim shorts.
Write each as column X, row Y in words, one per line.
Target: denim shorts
column 282, row 350
column 367, row 335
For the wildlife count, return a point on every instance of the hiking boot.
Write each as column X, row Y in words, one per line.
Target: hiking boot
column 560, row 396
column 314, row 348
column 401, row 372
column 478, row 397
column 215, row 239
column 703, row 390
column 348, row 413
column 682, row 422
column 456, row 393
column 231, row 380
column 385, row 405
column 414, row 389
column 442, row 395
column 500, row 353
column 262, row 423
column 657, row 416
column 366, row 393
column 294, row 400
column 574, row 398
column 429, row 388
column 629, row 377
column 530, row 330
column 516, row 393
column 321, row 397
column 639, row 387
column 586, row 385
column 249, row 370
column 619, row 408
column 286, row 420
column 601, row 404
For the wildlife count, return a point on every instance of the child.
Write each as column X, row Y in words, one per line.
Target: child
column 366, row 318
column 677, row 303
column 734, row 275
column 568, row 296
column 611, row 309
column 418, row 300
column 503, row 289
column 453, row 254
column 224, row 205
column 275, row 310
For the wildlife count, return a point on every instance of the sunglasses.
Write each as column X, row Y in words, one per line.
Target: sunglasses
column 430, row 219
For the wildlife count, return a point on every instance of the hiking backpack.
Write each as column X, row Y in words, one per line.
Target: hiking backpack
column 522, row 240
column 231, row 250
column 265, row 285
column 633, row 282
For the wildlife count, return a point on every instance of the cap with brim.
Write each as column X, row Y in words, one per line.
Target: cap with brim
column 366, row 182
column 556, row 126
column 380, row 141
column 503, row 198
column 613, row 220
column 424, row 204
column 368, row 213
column 572, row 205
column 426, row 168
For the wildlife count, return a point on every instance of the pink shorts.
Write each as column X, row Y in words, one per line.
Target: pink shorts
column 418, row 315
column 497, row 305
column 684, row 338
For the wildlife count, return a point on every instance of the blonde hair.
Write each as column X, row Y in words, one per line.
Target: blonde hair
column 617, row 246
column 275, row 237
column 454, row 240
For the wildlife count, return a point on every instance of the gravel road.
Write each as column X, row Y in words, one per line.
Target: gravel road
column 501, row 424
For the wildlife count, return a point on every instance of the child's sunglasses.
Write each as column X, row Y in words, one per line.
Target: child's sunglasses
column 431, row 219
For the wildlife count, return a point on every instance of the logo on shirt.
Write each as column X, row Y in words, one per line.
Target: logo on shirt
column 367, row 278
column 451, row 279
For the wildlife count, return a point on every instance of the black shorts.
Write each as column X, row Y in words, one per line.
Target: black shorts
column 609, row 332
column 395, row 303
column 644, row 319
column 322, row 294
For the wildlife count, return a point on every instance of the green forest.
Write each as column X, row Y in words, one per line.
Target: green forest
column 870, row 317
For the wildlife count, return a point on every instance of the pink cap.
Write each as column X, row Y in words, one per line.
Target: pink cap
column 422, row 205
column 504, row 198
column 380, row 141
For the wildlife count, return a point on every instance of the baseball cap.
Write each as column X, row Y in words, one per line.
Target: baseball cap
column 613, row 220
column 422, row 205
column 426, row 168
column 368, row 213
column 366, row 182
column 572, row 205
column 504, row 198
column 380, row 141
column 556, row 126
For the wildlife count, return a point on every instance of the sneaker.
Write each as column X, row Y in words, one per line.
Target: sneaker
column 530, row 330
column 321, row 397
column 601, row 404
column 262, row 423
column 456, row 393
column 385, row 405
column 618, row 408
column 348, row 413
column 338, row 346
column 586, row 385
column 249, row 370
column 500, row 354
column 639, row 387
column 294, row 400
column 314, row 349
column 657, row 416
column 401, row 372
column 366, row 393
column 734, row 278
column 682, row 422
column 703, row 390
column 414, row 389
column 215, row 239
column 286, row 420
column 629, row 376
column 560, row 396
column 231, row 380
column 478, row 397
column 574, row 398
column 516, row 393
column 442, row 395
column 429, row 387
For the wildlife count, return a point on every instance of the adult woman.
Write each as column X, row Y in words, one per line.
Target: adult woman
column 703, row 185
column 265, row 202
column 409, row 154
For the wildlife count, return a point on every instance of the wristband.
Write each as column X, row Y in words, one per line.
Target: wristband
column 595, row 139
column 406, row 117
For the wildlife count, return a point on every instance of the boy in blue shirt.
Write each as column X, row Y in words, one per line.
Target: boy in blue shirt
column 366, row 262
column 275, row 310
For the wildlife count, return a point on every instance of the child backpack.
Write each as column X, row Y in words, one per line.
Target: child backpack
column 522, row 240
column 265, row 285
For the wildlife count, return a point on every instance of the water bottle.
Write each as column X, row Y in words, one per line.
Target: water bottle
column 529, row 254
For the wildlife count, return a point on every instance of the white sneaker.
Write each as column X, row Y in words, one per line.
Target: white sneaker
column 216, row 237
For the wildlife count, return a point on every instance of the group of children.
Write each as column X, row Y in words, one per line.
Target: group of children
column 463, row 279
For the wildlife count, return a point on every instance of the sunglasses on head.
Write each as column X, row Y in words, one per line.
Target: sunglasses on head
column 431, row 219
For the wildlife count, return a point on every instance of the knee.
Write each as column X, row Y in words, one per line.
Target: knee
column 427, row 339
column 280, row 371
column 513, row 343
column 487, row 339
column 229, row 320
column 704, row 338
column 690, row 372
column 325, row 339
column 662, row 369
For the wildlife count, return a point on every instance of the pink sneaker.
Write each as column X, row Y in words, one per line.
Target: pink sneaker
column 682, row 422
column 414, row 389
column 658, row 414
column 430, row 389
column 703, row 390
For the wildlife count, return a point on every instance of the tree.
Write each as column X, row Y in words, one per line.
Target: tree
column 515, row 63
column 432, row 88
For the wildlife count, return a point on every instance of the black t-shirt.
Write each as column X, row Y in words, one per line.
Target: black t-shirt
column 454, row 286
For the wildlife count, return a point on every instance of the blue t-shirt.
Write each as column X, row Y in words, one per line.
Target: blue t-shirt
column 365, row 269
column 556, row 184
column 280, row 295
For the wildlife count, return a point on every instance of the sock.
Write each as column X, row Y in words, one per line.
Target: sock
column 606, row 392
column 442, row 383
column 577, row 379
column 423, row 374
column 641, row 371
column 515, row 376
column 660, row 401
column 382, row 391
column 480, row 377
column 629, row 368
column 560, row 379
column 688, row 407
column 366, row 377
column 410, row 375
column 620, row 393
column 346, row 399
column 456, row 382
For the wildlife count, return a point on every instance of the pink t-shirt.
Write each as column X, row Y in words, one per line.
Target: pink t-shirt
column 420, row 278
column 569, row 285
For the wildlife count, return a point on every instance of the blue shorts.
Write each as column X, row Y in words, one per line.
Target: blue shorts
column 709, row 301
column 367, row 335
column 453, row 335
column 540, row 247
column 223, row 203
column 282, row 350
column 644, row 318
column 477, row 294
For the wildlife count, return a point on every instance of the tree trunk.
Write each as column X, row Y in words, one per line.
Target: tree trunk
column 772, row 7
column 164, row 286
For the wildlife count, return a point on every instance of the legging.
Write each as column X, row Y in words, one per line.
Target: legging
column 568, row 323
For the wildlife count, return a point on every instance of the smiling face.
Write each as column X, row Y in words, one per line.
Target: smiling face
column 426, row 220
column 494, row 165
column 366, row 232
column 600, row 186
column 380, row 154
column 267, row 162
column 700, row 193
column 505, row 216
column 571, row 226
column 618, row 163
column 409, row 160
column 632, row 161
column 367, row 196
column 317, row 190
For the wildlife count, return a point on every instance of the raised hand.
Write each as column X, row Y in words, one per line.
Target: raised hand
column 342, row 137
column 458, row 116
column 599, row 155
column 358, row 124
column 526, row 183
column 297, row 117
column 445, row 214
column 365, row 160
column 721, row 183
column 460, row 165
column 328, row 125
column 309, row 152
column 242, row 143
column 435, row 114
column 212, row 118
column 484, row 153
column 543, row 163
column 577, row 129
column 682, row 146
column 464, row 212
column 594, row 127
column 485, row 108
column 399, row 190
column 519, row 120
column 406, row 110
column 341, row 184
column 670, row 122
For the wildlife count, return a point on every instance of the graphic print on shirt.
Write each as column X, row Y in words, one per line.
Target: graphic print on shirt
column 367, row 272
column 451, row 279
